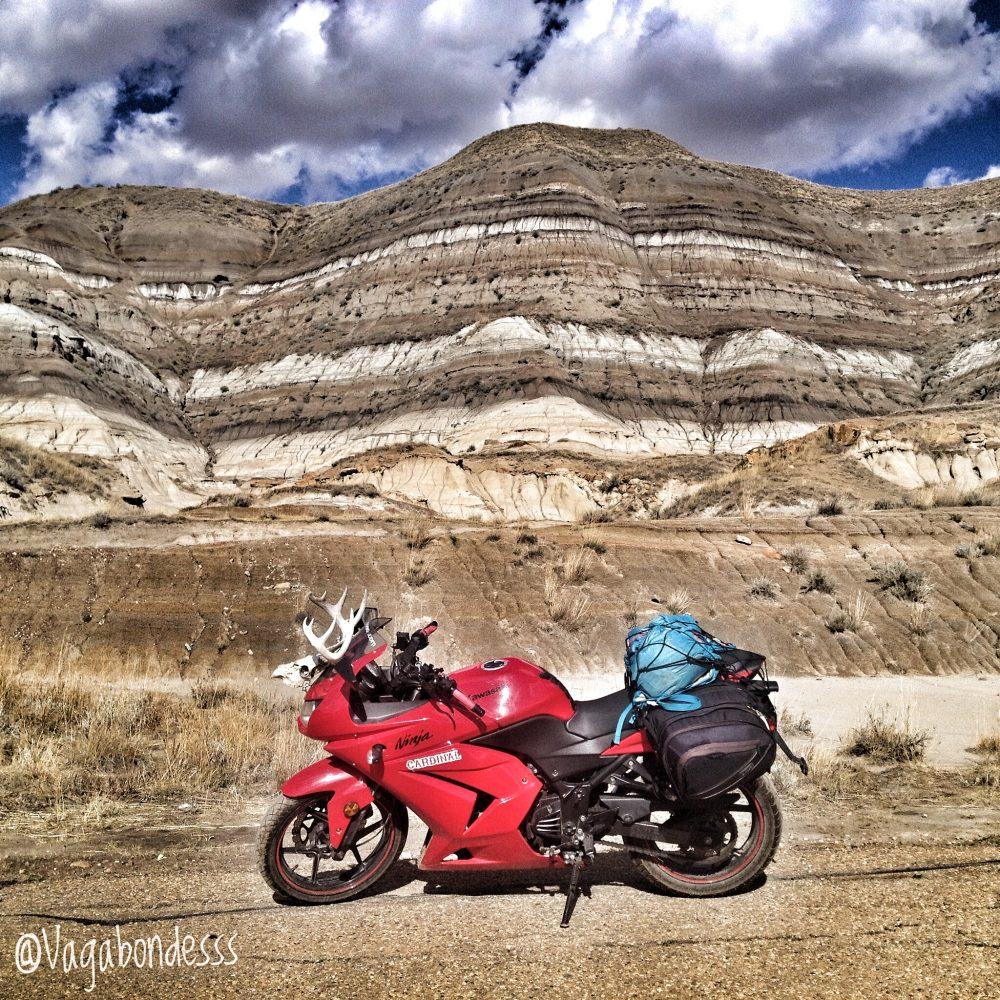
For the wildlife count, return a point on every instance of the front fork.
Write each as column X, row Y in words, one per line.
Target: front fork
column 347, row 838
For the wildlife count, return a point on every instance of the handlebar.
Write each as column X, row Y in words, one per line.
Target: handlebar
column 467, row 703
column 429, row 678
column 410, row 645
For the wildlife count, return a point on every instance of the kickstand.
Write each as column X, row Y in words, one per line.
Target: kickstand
column 573, row 892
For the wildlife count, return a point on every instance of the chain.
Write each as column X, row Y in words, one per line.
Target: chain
column 659, row 855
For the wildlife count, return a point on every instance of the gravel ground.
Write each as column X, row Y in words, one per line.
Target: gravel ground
column 882, row 919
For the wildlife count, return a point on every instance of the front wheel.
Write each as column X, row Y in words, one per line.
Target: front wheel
column 736, row 842
column 297, row 862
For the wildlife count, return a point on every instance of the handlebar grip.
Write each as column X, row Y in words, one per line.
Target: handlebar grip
column 467, row 703
column 429, row 629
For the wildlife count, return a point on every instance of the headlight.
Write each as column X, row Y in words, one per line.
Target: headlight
column 308, row 707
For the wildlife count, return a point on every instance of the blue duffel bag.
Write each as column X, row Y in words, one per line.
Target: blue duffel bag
column 664, row 660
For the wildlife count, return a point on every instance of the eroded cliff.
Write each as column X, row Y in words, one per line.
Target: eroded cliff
column 601, row 294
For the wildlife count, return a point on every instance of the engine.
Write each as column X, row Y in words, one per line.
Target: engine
column 545, row 823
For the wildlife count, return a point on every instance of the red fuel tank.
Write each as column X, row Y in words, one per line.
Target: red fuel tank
column 511, row 690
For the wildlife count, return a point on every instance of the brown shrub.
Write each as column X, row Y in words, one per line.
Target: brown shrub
column 798, row 559
column 418, row 571
column 764, row 589
column 902, row 580
column 416, row 534
column 885, row 740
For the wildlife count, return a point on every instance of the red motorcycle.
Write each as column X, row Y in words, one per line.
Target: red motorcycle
column 504, row 767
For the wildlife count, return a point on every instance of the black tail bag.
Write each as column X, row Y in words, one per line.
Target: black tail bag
column 713, row 749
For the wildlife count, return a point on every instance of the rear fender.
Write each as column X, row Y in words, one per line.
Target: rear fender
column 346, row 790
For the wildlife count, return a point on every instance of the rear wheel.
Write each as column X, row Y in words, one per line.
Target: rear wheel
column 735, row 842
column 296, row 860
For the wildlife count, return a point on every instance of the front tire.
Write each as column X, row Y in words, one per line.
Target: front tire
column 741, row 857
column 296, row 861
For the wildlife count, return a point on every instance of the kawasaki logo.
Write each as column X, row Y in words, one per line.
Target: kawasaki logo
column 486, row 694
column 448, row 757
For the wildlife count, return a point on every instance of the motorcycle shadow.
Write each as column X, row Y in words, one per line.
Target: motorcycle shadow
column 606, row 869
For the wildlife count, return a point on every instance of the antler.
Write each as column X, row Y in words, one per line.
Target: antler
column 346, row 626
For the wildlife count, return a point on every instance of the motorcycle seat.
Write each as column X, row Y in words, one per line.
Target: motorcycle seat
column 598, row 716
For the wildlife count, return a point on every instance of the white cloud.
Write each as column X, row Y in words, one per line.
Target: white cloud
column 797, row 85
column 336, row 92
column 946, row 176
column 51, row 44
column 68, row 139
column 323, row 93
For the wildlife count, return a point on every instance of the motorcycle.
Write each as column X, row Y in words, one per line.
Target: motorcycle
column 504, row 767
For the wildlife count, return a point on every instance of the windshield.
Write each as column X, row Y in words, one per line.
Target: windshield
column 368, row 638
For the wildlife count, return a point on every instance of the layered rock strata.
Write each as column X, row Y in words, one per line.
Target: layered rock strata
column 604, row 293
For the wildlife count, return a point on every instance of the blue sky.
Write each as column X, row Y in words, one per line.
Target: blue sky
column 317, row 100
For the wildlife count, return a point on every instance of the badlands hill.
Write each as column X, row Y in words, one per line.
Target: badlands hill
column 553, row 321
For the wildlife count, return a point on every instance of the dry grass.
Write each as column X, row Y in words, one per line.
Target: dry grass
column 722, row 493
column 927, row 497
column 564, row 607
column 836, row 778
column 816, row 580
column 985, row 773
column 988, row 545
column 798, row 559
column 988, row 746
column 920, row 499
column 829, row 777
column 795, row 725
column 576, row 566
column 71, row 742
column 678, row 602
column 830, row 506
column 21, row 466
column 416, row 534
column 418, row 571
column 601, row 515
column 764, row 589
column 918, row 620
column 951, row 496
column 886, row 740
column 598, row 548
column 853, row 618
column 902, row 580
column 630, row 616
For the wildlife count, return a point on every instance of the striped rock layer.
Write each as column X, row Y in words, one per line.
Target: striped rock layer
column 603, row 293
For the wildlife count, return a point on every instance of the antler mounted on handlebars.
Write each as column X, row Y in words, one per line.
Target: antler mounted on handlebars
column 337, row 621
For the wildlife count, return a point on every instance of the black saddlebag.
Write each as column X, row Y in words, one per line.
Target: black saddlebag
column 713, row 749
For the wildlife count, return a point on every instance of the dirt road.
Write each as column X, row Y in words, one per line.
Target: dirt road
column 913, row 920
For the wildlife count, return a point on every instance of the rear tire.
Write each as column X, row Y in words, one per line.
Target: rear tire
column 291, row 828
column 669, row 873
